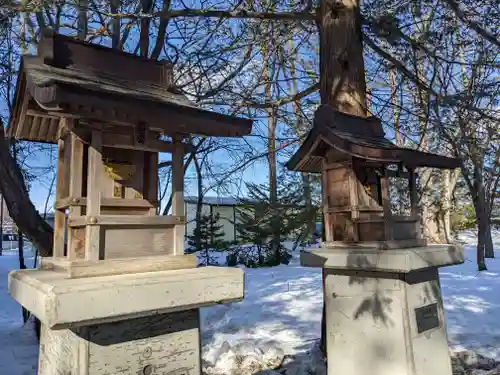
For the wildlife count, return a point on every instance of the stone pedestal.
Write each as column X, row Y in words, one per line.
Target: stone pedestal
column 384, row 310
column 137, row 324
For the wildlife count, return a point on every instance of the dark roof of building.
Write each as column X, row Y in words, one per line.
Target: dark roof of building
column 357, row 137
column 71, row 77
column 220, row 201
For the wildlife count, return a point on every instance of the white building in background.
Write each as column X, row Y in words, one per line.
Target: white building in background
column 6, row 222
column 226, row 207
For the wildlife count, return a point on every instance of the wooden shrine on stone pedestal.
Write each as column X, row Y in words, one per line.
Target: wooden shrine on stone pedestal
column 384, row 311
column 118, row 296
column 355, row 160
column 383, row 305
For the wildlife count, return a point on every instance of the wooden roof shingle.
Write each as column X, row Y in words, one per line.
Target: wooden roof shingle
column 357, row 137
column 69, row 77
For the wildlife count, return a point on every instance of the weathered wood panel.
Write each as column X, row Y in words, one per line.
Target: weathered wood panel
column 76, row 248
column 60, row 217
column 83, row 268
column 93, row 246
column 125, row 242
column 106, row 202
column 338, row 187
column 405, row 229
column 76, row 243
column 371, row 231
column 137, row 211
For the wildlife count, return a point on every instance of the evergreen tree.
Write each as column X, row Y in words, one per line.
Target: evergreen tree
column 263, row 226
column 208, row 237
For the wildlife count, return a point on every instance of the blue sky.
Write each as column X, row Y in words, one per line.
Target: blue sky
column 41, row 162
column 257, row 172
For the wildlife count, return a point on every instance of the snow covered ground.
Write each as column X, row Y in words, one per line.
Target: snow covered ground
column 18, row 348
column 283, row 305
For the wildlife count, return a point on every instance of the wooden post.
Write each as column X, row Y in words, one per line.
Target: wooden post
column 386, row 203
column 412, row 185
column 59, row 215
column 327, row 222
column 354, row 206
column 152, row 193
column 415, row 214
column 178, row 193
column 75, row 190
column 95, row 176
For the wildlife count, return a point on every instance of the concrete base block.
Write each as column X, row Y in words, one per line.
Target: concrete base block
column 160, row 344
column 375, row 259
column 61, row 302
column 131, row 324
column 385, row 323
column 384, row 311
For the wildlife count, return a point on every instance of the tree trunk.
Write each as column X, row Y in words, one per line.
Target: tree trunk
column 17, row 200
column 20, row 250
column 114, row 6
column 311, row 225
column 489, row 251
column 306, row 178
column 22, row 265
column 271, row 148
column 395, row 107
column 341, row 67
column 271, row 157
column 450, row 182
column 82, row 19
column 199, row 203
column 342, row 72
column 436, row 216
column 482, row 222
column 445, row 213
column 481, row 240
column 322, row 343
column 1, row 225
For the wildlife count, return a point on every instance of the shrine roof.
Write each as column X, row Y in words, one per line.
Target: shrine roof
column 358, row 137
column 71, row 78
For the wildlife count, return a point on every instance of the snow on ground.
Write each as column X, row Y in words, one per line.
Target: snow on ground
column 283, row 305
column 472, row 300
column 470, row 237
column 18, row 348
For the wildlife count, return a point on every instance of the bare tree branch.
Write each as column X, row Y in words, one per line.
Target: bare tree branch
column 190, row 12
column 471, row 23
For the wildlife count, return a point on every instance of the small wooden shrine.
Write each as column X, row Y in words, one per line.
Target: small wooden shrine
column 353, row 157
column 108, row 111
column 118, row 286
